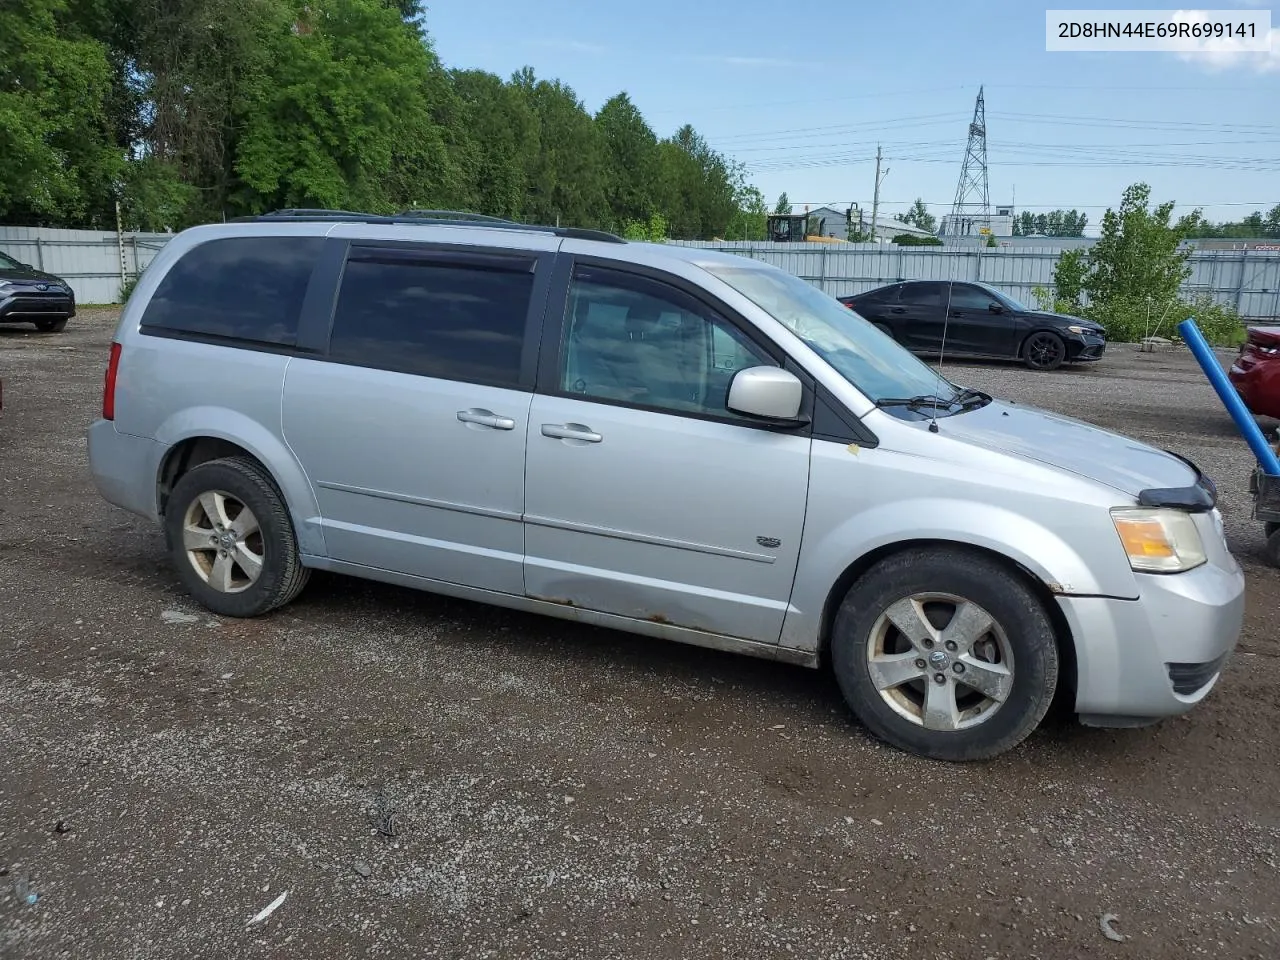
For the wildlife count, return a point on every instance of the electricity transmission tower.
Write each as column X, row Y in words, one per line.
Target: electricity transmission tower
column 972, row 207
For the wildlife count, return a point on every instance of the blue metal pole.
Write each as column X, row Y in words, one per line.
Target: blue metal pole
column 1230, row 399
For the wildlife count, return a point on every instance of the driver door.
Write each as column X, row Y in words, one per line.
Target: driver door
column 979, row 325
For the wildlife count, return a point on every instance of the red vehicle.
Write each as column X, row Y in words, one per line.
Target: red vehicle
column 1256, row 372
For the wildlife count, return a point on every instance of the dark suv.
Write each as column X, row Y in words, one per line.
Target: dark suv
column 28, row 295
column 978, row 321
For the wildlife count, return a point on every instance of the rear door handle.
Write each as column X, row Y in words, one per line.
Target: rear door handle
column 898, row 310
column 486, row 418
column 570, row 431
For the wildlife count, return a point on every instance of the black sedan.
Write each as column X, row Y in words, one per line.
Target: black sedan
column 978, row 321
column 28, row 295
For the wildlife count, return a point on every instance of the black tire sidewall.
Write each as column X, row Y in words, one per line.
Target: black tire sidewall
column 1272, row 547
column 1062, row 352
column 256, row 492
column 1003, row 595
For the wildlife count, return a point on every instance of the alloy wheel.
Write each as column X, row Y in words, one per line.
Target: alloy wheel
column 940, row 661
column 223, row 542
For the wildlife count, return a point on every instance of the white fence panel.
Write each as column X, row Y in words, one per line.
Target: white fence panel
column 1248, row 280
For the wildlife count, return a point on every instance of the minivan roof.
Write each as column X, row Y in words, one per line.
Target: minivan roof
column 475, row 221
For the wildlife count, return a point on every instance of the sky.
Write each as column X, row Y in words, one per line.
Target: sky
column 803, row 91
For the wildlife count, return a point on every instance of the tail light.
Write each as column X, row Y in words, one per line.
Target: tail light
column 109, row 384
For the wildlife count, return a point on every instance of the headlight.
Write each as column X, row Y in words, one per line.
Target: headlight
column 1076, row 328
column 1159, row 541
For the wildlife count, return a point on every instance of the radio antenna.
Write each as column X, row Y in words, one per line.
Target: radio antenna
column 942, row 352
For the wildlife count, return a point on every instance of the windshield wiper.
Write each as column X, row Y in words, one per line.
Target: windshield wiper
column 970, row 397
column 915, row 403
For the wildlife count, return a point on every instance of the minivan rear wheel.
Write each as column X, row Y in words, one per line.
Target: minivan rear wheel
column 945, row 653
column 231, row 539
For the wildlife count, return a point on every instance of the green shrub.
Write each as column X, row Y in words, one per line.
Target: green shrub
column 1128, row 321
column 1045, row 300
column 126, row 288
column 911, row 240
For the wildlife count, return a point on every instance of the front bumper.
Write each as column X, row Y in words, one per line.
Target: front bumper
column 1161, row 654
column 1084, row 348
column 23, row 306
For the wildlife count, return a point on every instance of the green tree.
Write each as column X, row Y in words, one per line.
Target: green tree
column 567, row 184
column 1140, row 254
column 783, row 207
column 920, row 216
column 1273, row 221
column 340, row 109
column 1068, row 275
column 503, row 138
column 631, row 151
column 59, row 162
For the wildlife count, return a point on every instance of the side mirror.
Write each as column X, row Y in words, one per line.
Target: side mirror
column 768, row 392
column 996, row 308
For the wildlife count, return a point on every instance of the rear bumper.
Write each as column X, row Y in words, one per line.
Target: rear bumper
column 125, row 468
column 1157, row 656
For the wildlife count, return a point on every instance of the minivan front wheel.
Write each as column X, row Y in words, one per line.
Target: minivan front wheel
column 231, row 539
column 946, row 654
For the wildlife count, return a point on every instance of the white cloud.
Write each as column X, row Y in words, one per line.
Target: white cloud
column 1218, row 55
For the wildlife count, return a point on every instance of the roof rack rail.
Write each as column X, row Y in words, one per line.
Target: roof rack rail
column 452, row 215
column 428, row 217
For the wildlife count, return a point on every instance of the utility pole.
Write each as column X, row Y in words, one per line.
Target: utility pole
column 875, row 202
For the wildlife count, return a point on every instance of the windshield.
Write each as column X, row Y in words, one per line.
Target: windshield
column 8, row 263
column 867, row 358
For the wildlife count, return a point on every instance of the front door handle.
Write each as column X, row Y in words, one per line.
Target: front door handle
column 570, row 431
column 898, row 310
column 486, row 418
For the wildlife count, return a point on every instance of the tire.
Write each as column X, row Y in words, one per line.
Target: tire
column 1016, row 659
column 1271, row 529
column 1273, row 546
column 223, row 580
column 1044, row 351
column 52, row 326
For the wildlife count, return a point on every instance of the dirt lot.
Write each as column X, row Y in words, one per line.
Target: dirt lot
column 429, row 778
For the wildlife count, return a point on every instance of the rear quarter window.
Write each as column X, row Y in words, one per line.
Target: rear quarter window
column 236, row 288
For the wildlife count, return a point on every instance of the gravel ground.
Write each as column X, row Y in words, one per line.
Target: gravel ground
column 424, row 777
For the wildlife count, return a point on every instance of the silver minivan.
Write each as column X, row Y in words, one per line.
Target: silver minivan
column 665, row 440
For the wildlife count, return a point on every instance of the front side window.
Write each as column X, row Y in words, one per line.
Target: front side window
column 238, row 288
column 454, row 321
column 922, row 294
column 634, row 340
column 965, row 297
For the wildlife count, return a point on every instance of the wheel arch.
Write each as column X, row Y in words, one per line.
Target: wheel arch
column 190, row 448
column 1067, row 678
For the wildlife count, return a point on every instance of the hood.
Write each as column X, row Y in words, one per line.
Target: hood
column 1072, row 445
column 26, row 275
column 1065, row 320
